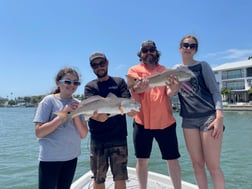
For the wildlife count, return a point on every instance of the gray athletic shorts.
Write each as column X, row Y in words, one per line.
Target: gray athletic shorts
column 200, row 123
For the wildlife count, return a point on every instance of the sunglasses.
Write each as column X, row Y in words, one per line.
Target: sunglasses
column 151, row 50
column 192, row 46
column 70, row 82
column 99, row 64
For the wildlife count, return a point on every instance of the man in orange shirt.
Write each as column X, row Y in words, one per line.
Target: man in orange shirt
column 155, row 119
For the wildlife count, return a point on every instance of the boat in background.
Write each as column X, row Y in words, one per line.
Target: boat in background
column 155, row 181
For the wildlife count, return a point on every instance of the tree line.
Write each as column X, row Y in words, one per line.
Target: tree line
column 30, row 100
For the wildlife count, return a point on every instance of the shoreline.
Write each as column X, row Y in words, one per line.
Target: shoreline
column 226, row 107
column 237, row 107
column 230, row 107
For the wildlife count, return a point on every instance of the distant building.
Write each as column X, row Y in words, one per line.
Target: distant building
column 236, row 77
column 3, row 101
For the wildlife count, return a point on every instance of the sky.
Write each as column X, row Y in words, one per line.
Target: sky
column 40, row 37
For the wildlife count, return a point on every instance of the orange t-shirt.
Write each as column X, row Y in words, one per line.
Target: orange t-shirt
column 156, row 109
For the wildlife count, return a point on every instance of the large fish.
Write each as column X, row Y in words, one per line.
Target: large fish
column 160, row 79
column 112, row 105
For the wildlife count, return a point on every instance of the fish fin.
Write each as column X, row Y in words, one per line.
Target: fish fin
column 111, row 95
column 61, row 114
column 121, row 110
column 91, row 100
column 154, row 74
column 165, row 71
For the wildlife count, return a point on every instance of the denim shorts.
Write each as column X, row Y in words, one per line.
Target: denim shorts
column 200, row 123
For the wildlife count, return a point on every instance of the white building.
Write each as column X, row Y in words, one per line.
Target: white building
column 236, row 77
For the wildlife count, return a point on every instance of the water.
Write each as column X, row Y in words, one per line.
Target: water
column 19, row 151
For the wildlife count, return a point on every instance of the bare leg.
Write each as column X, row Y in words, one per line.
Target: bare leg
column 212, row 151
column 120, row 184
column 142, row 172
column 99, row 186
column 175, row 173
column 200, row 174
column 194, row 147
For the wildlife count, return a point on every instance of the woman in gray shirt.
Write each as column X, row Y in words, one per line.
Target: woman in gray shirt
column 201, row 110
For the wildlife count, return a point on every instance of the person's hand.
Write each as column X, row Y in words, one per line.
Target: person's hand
column 99, row 117
column 71, row 106
column 218, row 126
column 172, row 85
column 141, row 85
column 132, row 113
column 68, row 109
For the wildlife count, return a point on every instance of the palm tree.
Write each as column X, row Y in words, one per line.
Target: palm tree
column 250, row 93
column 226, row 93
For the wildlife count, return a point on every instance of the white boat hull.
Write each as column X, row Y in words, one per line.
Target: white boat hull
column 155, row 181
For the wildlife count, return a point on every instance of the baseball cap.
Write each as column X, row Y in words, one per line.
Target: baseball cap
column 148, row 43
column 96, row 55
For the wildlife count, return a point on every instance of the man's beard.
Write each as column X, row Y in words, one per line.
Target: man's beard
column 101, row 75
column 150, row 59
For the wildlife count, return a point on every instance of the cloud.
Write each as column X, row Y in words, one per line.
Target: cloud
column 231, row 54
column 120, row 67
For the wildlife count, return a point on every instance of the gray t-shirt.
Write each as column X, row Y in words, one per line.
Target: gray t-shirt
column 200, row 96
column 63, row 144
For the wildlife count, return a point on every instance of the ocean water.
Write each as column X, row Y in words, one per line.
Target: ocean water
column 19, row 151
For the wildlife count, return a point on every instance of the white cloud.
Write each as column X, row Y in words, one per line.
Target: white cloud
column 120, row 67
column 231, row 54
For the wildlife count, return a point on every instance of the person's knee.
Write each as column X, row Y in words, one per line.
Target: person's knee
column 142, row 161
column 214, row 169
column 198, row 165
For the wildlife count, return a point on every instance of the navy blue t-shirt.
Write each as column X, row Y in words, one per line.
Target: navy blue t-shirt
column 114, row 128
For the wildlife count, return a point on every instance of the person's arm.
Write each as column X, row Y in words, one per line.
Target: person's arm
column 81, row 126
column 172, row 86
column 211, row 83
column 90, row 90
column 43, row 129
column 125, row 93
column 123, row 87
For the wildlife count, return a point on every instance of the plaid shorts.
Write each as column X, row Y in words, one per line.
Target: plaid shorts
column 102, row 156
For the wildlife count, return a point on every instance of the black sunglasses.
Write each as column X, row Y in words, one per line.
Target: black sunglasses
column 192, row 46
column 99, row 64
column 70, row 82
column 151, row 50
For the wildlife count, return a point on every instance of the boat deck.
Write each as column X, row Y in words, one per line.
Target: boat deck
column 155, row 181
